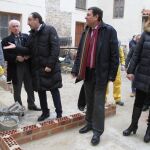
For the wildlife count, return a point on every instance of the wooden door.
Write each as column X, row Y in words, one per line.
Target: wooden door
column 78, row 31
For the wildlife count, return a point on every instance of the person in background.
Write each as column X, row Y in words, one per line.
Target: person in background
column 139, row 70
column 117, row 82
column 2, row 77
column 132, row 46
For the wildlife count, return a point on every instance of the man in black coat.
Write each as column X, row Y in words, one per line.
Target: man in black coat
column 96, row 63
column 43, row 48
column 18, row 67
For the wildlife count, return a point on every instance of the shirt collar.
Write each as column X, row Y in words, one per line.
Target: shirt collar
column 39, row 27
column 96, row 27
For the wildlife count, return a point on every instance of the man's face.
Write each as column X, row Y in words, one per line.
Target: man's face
column 15, row 28
column 33, row 22
column 90, row 19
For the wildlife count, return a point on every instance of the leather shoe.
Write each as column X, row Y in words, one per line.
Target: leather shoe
column 95, row 139
column 120, row 103
column 34, row 107
column 59, row 115
column 145, row 108
column 85, row 129
column 43, row 117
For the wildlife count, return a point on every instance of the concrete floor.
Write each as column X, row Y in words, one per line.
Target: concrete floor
column 112, row 138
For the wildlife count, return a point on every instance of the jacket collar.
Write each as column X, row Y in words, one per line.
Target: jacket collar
column 39, row 30
column 102, row 25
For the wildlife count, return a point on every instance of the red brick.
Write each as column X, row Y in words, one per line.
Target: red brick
column 77, row 117
column 25, row 139
column 64, row 120
column 39, row 135
column 47, row 125
column 57, row 130
column 28, row 130
column 81, row 122
column 17, row 135
column 8, row 143
column 72, row 125
column 3, row 145
column 10, row 132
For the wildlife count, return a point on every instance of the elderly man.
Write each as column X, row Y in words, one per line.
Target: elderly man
column 18, row 66
column 96, row 63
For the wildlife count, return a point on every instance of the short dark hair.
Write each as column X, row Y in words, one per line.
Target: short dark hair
column 97, row 11
column 38, row 16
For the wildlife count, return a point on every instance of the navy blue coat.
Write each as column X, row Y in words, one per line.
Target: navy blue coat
column 140, row 63
column 10, row 56
column 107, row 55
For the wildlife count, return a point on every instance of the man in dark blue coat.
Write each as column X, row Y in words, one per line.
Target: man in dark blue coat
column 96, row 63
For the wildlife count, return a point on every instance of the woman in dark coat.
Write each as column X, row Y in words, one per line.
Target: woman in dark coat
column 139, row 70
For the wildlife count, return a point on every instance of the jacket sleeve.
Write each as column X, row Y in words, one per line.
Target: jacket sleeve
column 54, row 48
column 114, row 55
column 21, row 50
column 1, row 56
column 129, row 56
column 24, row 48
column 75, row 68
column 136, row 56
column 9, row 55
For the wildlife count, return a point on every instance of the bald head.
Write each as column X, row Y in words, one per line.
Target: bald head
column 14, row 26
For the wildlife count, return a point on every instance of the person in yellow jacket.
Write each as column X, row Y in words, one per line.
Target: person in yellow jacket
column 1, row 62
column 117, row 82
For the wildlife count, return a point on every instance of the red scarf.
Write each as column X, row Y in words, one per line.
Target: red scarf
column 85, row 52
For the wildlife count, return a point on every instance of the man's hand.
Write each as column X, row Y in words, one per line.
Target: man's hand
column 130, row 77
column 20, row 58
column 47, row 69
column 73, row 75
column 26, row 57
column 10, row 46
column 122, row 68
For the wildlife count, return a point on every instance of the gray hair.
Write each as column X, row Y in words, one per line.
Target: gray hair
column 11, row 22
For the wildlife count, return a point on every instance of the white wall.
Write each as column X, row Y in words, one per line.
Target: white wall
column 23, row 7
column 131, row 23
column 77, row 14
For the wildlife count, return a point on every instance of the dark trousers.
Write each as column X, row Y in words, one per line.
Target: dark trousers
column 132, row 87
column 56, row 99
column 24, row 76
column 95, row 100
column 140, row 98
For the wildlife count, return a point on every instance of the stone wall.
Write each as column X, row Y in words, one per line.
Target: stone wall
column 60, row 20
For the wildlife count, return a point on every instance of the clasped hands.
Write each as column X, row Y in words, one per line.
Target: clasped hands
column 22, row 58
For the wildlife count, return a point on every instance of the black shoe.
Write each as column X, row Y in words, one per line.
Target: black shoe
column 34, row 107
column 43, row 117
column 134, row 124
column 131, row 129
column 95, row 139
column 145, row 108
column 120, row 103
column 85, row 129
column 147, row 135
column 59, row 115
